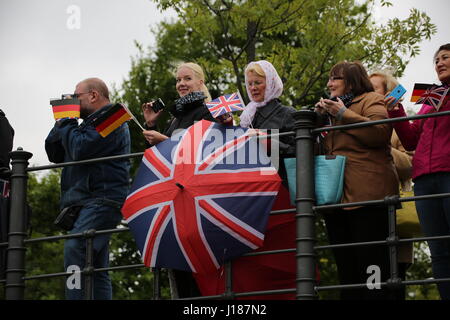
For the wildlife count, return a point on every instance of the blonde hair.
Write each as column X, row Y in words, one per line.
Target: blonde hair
column 256, row 69
column 198, row 72
column 389, row 82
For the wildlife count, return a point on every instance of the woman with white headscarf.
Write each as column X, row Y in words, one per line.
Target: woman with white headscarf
column 265, row 110
column 275, row 271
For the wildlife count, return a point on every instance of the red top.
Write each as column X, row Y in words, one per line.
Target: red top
column 429, row 137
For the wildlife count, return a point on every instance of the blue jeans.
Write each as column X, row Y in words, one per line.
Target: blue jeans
column 93, row 216
column 434, row 217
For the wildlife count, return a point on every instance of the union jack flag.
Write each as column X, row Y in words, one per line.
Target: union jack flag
column 4, row 188
column 434, row 96
column 193, row 206
column 224, row 104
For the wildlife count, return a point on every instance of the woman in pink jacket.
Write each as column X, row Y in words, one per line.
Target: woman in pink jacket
column 430, row 138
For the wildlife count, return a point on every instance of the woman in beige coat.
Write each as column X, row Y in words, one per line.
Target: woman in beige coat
column 369, row 175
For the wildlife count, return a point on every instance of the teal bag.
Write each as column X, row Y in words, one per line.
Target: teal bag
column 329, row 178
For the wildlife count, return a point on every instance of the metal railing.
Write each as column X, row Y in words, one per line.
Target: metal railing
column 305, row 213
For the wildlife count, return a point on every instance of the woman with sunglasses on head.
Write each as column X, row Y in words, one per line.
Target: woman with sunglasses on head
column 369, row 175
column 430, row 138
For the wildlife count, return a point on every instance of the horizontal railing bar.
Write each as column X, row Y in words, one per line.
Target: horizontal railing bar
column 243, row 294
column 382, row 284
column 268, row 252
column 65, row 274
column 361, row 124
column 75, row 235
column 81, row 162
column 379, row 202
column 118, row 268
column 379, row 242
column 317, row 130
column 376, row 122
column 274, row 212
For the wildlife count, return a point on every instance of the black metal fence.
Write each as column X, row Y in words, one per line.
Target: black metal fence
column 305, row 213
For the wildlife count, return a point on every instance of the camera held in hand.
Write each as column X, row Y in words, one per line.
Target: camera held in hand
column 158, row 105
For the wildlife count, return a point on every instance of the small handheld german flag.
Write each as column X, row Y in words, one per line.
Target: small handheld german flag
column 419, row 90
column 66, row 108
column 111, row 119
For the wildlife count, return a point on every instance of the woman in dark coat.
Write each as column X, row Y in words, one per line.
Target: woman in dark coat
column 190, row 85
column 265, row 272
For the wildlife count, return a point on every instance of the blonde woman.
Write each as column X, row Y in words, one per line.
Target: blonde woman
column 189, row 108
column 383, row 83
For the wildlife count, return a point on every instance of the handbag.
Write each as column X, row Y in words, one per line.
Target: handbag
column 66, row 219
column 328, row 174
column 408, row 225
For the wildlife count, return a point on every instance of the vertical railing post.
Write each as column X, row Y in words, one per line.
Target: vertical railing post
column 394, row 281
column 228, row 294
column 15, row 270
column 88, row 270
column 305, row 217
column 156, row 284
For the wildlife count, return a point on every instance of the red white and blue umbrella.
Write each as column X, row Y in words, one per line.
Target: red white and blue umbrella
column 201, row 198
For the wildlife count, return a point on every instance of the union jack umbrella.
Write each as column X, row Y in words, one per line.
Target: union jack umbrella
column 434, row 96
column 196, row 203
column 224, row 104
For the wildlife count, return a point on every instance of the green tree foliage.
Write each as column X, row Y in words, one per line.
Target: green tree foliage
column 44, row 257
column 302, row 38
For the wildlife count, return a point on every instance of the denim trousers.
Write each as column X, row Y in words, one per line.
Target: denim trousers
column 93, row 216
column 434, row 217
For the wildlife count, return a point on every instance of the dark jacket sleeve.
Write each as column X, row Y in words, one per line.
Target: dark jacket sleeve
column 80, row 142
column 53, row 145
column 287, row 143
column 6, row 140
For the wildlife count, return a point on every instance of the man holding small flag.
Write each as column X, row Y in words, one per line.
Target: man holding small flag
column 92, row 193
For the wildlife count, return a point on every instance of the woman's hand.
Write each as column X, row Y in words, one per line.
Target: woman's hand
column 330, row 106
column 150, row 116
column 154, row 137
column 225, row 119
column 253, row 132
column 389, row 102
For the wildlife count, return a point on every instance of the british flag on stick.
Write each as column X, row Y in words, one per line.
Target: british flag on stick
column 196, row 203
column 227, row 103
column 434, row 96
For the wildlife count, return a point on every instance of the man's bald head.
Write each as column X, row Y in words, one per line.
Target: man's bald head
column 96, row 84
column 93, row 95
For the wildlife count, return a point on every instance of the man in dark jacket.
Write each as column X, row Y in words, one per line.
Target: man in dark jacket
column 99, row 189
column 6, row 144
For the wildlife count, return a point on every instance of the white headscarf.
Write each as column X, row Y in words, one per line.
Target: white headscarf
column 274, row 88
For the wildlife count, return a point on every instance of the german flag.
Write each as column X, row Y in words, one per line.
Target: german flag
column 111, row 119
column 66, row 108
column 419, row 90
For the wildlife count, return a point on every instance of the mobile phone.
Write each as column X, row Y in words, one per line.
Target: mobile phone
column 397, row 93
column 157, row 105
